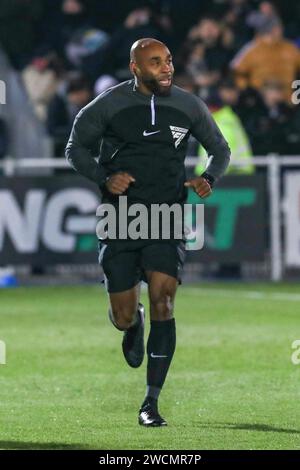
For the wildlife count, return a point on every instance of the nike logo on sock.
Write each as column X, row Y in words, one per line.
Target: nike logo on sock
column 145, row 133
column 155, row 356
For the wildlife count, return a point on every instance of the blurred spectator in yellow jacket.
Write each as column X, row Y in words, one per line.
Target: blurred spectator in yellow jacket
column 233, row 131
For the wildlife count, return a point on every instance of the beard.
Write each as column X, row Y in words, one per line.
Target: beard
column 155, row 87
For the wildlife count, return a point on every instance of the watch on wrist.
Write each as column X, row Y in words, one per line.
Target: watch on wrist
column 210, row 179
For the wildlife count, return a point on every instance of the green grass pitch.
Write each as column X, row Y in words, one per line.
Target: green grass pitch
column 232, row 384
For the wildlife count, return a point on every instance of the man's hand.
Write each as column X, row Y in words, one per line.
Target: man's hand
column 119, row 182
column 200, row 185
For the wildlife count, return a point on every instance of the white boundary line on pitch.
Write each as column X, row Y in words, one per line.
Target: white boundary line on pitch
column 251, row 294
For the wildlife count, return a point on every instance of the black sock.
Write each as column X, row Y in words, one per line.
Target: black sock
column 151, row 401
column 161, row 342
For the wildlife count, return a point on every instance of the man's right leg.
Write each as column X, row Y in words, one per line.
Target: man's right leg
column 124, row 307
column 127, row 315
column 122, row 274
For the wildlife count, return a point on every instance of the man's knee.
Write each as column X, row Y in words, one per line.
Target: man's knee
column 162, row 305
column 123, row 307
column 122, row 317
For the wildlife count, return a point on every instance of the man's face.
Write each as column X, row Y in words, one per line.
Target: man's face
column 277, row 33
column 154, row 69
column 274, row 35
column 209, row 31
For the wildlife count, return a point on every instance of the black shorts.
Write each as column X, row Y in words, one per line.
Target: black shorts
column 124, row 263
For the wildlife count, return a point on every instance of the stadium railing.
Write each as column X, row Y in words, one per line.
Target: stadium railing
column 273, row 164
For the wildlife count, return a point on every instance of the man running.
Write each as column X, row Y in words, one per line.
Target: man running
column 143, row 127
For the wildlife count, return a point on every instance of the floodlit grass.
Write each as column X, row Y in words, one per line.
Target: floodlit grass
column 232, row 384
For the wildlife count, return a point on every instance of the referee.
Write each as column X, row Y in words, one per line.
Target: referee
column 142, row 127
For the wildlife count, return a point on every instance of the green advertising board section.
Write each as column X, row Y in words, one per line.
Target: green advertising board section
column 51, row 220
column 234, row 220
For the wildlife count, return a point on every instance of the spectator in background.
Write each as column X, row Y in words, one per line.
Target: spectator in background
column 204, row 55
column 266, row 11
column 197, row 67
column 63, row 19
column 87, row 51
column 234, row 18
column 209, row 31
column 268, row 121
column 141, row 22
column 64, row 107
column 221, row 108
column 269, row 56
column 42, row 77
column 229, row 93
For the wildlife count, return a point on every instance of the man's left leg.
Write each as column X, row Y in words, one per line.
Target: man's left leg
column 161, row 343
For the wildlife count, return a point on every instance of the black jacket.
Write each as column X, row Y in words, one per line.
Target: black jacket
column 145, row 136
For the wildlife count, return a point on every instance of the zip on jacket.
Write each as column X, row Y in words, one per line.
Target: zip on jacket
column 152, row 110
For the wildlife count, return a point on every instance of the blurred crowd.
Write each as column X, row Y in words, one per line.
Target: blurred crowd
column 240, row 56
